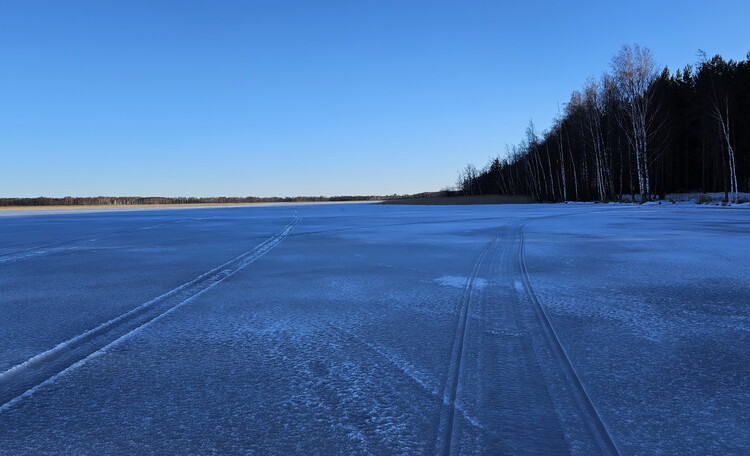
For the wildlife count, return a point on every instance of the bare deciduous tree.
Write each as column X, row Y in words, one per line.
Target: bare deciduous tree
column 718, row 71
column 634, row 72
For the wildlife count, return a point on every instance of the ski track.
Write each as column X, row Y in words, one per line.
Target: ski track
column 446, row 443
column 446, row 426
column 24, row 379
column 593, row 419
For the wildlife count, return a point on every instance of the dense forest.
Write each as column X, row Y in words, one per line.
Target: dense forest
column 635, row 133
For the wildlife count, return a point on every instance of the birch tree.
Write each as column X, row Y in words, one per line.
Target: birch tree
column 635, row 132
column 719, row 72
column 634, row 71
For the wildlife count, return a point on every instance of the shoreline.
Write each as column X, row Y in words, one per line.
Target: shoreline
column 120, row 207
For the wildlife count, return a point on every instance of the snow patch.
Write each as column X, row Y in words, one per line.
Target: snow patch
column 461, row 282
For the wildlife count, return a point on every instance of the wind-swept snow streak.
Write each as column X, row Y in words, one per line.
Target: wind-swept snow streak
column 24, row 379
column 12, row 254
column 402, row 366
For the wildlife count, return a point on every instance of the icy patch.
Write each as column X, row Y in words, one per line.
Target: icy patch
column 460, row 282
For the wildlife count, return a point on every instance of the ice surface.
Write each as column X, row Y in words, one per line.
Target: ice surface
column 371, row 329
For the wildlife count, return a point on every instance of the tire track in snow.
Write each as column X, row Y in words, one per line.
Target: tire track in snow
column 450, row 391
column 24, row 379
column 596, row 424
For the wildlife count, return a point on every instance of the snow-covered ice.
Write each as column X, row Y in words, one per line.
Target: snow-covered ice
column 372, row 329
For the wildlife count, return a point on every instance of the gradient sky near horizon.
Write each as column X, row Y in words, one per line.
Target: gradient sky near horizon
column 236, row 98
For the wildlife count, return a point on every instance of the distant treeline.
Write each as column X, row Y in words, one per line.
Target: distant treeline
column 635, row 131
column 137, row 200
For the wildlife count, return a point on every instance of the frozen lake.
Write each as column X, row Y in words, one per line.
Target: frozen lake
column 370, row 329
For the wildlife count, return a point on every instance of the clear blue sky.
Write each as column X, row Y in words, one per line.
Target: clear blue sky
column 277, row 97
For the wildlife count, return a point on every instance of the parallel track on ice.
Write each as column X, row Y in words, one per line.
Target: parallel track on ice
column 509, row 242
column 22, row 380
